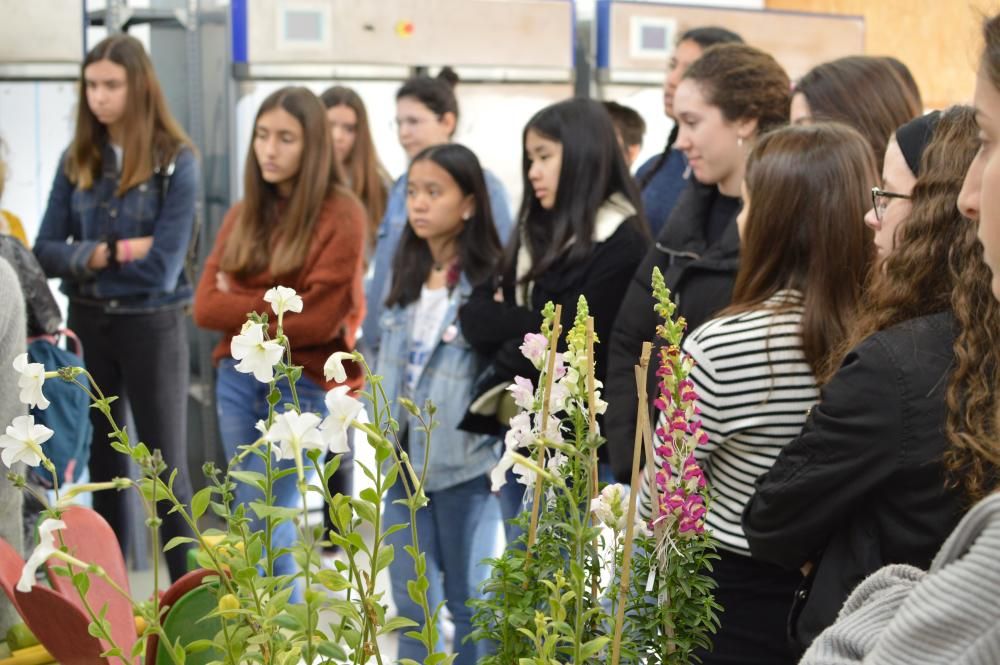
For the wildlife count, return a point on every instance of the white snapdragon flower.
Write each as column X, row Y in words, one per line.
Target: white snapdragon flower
column 23, row 442
column 523, row 392
column 295, row 432
column 333, row 368
column 343, row 410
column 609, row 507
column 256, row 356
column 30, row 382
column 283, row 299
column 46, row 547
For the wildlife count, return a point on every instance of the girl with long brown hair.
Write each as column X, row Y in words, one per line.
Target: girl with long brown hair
column 866, row 483
column 805, row 257
column 297, row 226
column 354, row 151
column 117, row 229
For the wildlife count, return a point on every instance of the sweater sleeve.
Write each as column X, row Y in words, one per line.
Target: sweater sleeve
column 215, row 309
column 869, row 609
column 852, row 441
column 330, row 286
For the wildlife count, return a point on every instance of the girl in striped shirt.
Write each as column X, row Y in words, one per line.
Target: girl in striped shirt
column 805, row 254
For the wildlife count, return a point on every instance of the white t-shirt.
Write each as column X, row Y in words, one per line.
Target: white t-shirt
column 119, row 155
column 427, row 321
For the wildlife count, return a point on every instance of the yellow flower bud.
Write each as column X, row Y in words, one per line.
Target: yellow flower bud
column 229, row 603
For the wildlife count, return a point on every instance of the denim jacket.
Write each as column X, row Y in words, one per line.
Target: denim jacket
column 389, row 233
column 78, row 220
column 447, row 380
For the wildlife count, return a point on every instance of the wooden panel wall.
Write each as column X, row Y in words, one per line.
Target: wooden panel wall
column 938, row 39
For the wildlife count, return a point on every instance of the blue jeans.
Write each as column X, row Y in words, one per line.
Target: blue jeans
column 241, row 400
column 446, row 527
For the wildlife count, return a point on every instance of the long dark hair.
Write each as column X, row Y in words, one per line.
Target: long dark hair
column 809, row 187
column 870, row 94
column 703, row 37
column 261, row 240
column 367, row 175
column 152, row 136
column 593, row 169
column 479, row 248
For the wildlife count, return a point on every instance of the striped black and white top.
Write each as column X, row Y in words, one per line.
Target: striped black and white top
column 755, row 390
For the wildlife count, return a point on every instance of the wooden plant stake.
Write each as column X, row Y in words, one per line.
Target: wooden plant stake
column 642, row 417
column 546, row 395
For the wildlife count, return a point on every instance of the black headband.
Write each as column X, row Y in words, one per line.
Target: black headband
column 913, row 138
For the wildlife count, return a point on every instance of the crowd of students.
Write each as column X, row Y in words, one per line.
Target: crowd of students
column 835, row 252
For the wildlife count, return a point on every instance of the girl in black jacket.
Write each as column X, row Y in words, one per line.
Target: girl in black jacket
column 866, row 483
column 580, row 232
column 727, row 98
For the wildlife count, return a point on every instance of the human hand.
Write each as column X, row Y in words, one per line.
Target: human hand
column 133, row 249
column 222, row 282
column 99, row 257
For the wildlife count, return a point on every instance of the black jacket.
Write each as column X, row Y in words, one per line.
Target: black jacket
column 864, row 483
column 498, row 329
column 700, row 277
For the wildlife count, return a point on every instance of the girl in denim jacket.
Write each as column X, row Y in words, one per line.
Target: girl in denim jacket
column 449, row 245
column 117, row 230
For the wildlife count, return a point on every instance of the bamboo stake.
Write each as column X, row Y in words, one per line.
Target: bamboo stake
column 549, row 370
column 642, row 416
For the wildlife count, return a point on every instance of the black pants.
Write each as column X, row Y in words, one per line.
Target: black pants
column 755, row 598
column 143, row 359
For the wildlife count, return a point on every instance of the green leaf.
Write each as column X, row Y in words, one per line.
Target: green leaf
column 81, row 581
column 274, row 397
column 593, row 646
column 365, row 510
column 397, row 623
column 252, row 478
column 200, row 501
column 199, row 645
column 331, row 650
column 383, row 558
column 175, row 541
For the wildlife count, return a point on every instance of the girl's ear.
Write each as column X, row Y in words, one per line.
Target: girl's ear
column 468, row 207
column 449, row 121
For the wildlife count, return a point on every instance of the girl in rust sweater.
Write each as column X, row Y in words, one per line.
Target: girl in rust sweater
column 296, row 226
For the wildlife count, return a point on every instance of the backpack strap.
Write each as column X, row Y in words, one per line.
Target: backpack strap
column 162, row 175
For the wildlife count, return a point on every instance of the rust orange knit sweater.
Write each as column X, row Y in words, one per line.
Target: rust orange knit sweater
column 330, row 283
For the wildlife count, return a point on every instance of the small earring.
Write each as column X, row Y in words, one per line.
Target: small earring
column 466, row 215
column 739, row 141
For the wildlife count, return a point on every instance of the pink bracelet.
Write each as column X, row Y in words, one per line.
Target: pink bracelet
column 127, row 250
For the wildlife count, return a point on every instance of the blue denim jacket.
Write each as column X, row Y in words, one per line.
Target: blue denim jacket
column 389, row 233
column 77, row 220
column 447, row 379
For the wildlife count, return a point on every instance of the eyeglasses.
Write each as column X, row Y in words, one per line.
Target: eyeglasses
column 880, row 201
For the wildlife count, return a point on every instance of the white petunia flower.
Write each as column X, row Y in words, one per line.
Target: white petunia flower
column 333, row 368
column 283, row 299
column 23, row 442
column 256, row 356
column 46, row 547
column 30, row 382
column 295, row 432
column 343, row 410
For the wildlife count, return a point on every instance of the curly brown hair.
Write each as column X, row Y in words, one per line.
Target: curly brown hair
column 745, row 83
column 914, row 280
column 973, row 427
column 937, row 266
